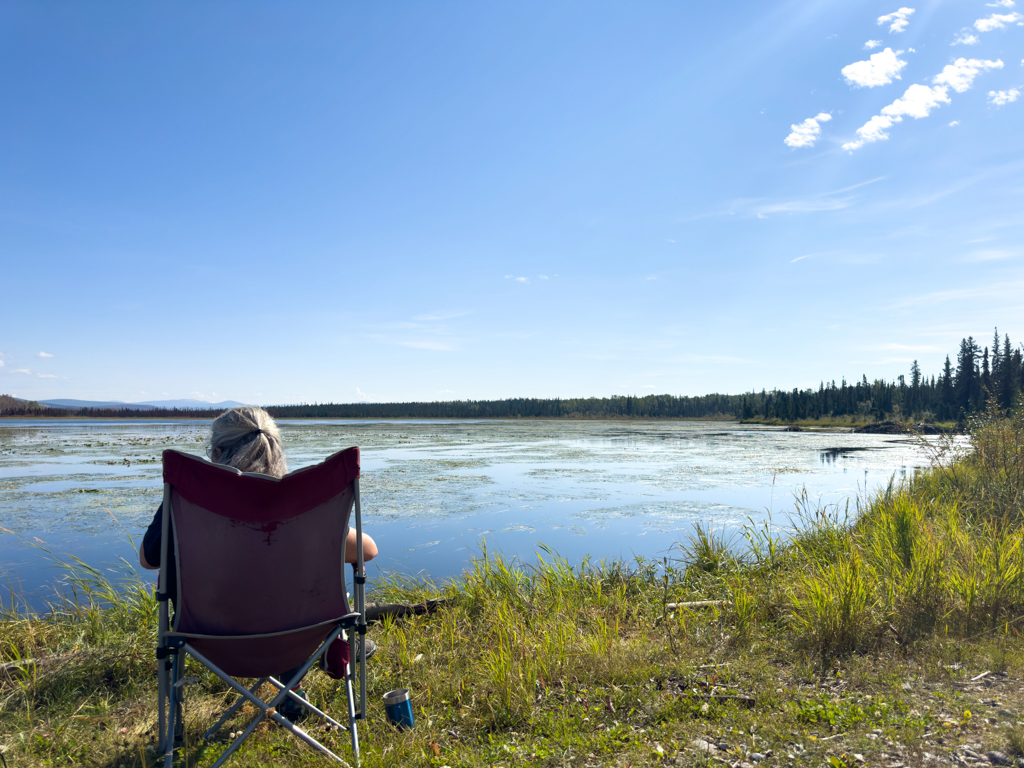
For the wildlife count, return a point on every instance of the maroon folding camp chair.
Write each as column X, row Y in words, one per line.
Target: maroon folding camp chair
column 260, row 587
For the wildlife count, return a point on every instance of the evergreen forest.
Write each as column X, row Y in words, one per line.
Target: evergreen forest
column 979, row 377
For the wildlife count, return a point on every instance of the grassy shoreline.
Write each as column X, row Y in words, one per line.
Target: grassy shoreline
column 859, row 639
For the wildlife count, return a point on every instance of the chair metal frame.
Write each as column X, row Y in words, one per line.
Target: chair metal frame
column 174, row 647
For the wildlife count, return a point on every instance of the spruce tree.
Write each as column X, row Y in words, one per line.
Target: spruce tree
column 986, row 378
column 967, row 376
column 948, row 401
column 1008, row 379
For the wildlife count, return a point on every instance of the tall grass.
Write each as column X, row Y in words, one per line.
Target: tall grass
column 549, row 648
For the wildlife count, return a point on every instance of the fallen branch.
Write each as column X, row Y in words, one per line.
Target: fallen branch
column 378, row 611
column 696, row 604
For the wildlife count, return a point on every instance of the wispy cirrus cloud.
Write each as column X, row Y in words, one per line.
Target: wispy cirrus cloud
column 965, row 37
column 430, row 317
column 880, row 69
column 517, row 279
column 1001, row 292
column 898, row 20
column 998, row 21
column 436, row 346
column 44, row 354
column 826, row 201
column 805, row 134
column 999, row 98
column 906, row 347
column 920, row 100
column 805, row 256
column 427, row 330
column 993, row 254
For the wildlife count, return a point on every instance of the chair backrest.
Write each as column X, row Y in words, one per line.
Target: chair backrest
column 258, row 554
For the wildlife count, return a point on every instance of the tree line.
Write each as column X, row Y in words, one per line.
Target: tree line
column 980, row 376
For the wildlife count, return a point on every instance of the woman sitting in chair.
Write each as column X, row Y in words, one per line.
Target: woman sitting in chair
column 247, row 439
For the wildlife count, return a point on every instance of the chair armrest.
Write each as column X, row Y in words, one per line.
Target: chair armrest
column 350, row 621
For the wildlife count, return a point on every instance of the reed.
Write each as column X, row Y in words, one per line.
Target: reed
column 550, row 662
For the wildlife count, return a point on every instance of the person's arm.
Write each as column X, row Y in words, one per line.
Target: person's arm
column 143, row 561
column 369, row 547
column 151, row 541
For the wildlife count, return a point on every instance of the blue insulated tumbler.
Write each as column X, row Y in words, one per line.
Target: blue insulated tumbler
column 399, row 708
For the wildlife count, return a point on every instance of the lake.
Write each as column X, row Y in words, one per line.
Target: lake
column 435, row 491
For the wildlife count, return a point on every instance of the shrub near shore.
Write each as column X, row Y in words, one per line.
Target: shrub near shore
column 858, row 639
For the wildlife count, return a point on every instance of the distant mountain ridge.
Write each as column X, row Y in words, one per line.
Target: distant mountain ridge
column 145, row 406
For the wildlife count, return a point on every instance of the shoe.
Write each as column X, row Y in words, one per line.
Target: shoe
column 371, row 648
column 292, row 711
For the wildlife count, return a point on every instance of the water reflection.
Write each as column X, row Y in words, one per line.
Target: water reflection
column 433, row 491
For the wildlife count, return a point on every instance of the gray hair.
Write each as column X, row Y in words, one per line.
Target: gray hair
column 246, row 438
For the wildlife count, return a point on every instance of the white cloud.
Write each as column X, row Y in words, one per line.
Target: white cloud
column 964, row 37
column 1003, row 97
column 517, row 279
column 905, row 348
column 825, row 201
column 45, row 354
column 872, row 44
column 998, row 21
column 879, row 69
column 26, row 371
column 433, row 316
column 954, row 123
column 807, row 132
column 542, row 277
column 1001, row 4
column 436, row 346
column 961, row 73
column 917, row 102
column 446, row 391
column 364, row 395
column 46, row 376
column 992, row 254
column 898, row 19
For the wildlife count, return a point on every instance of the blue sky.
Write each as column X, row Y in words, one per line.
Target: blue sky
column 279, row 202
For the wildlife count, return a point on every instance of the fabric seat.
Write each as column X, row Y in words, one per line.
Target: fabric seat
column 261, row 586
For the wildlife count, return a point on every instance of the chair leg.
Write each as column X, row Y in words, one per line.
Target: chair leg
column 169, row 736
column 175, row 712
column 231, row 710
column 291, row 695
column 350, row 698
column 162, row 687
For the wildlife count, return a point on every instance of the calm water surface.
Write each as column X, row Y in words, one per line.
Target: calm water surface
column 434, row 491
